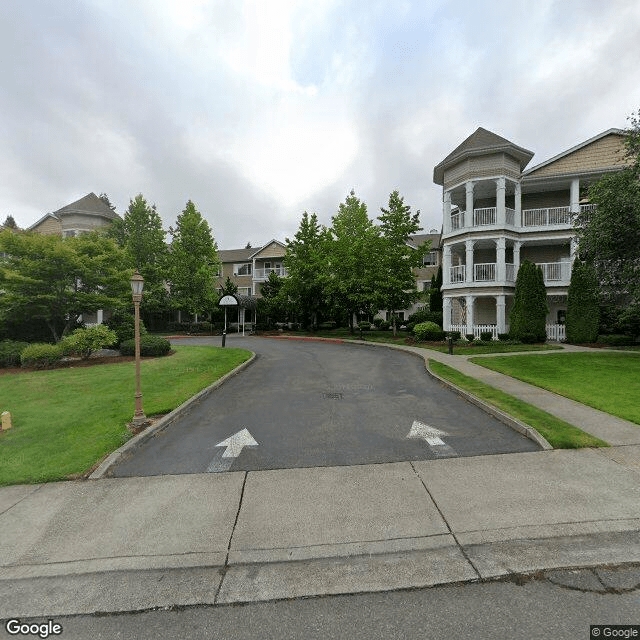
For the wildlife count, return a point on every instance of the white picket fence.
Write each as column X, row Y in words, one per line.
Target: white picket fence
column 555, row 332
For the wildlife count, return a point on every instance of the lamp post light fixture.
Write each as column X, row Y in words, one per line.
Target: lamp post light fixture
column 137, row 284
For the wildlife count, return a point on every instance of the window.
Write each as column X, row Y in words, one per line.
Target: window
column 242, row 269
column 430, row 258
column 244, row 291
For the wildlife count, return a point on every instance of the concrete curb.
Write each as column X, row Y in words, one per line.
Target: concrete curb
column 165, row 421
column 516, row 425
column 506, row 419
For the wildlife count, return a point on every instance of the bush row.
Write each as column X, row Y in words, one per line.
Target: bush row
column 149, row 346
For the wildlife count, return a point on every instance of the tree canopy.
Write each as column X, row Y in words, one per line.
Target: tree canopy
column 610, row 235
column 193, row 262
column 396, row 285
column 55, row 280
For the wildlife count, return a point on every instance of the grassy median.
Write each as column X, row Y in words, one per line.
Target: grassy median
column 609, row 381
column 66, row 420
column 559, row 434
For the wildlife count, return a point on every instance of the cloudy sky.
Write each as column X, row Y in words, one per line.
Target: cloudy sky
column 260, row 109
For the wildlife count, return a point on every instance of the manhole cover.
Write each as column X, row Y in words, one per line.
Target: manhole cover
column 332, row 396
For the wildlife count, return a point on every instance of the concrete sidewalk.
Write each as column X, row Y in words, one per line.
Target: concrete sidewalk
column 136, row 543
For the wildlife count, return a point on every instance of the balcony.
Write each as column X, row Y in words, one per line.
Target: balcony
column 555, row 272
column 546, row 217
column 260, row 275
column 482, row 272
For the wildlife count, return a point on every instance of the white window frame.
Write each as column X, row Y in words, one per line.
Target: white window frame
column 240, row 265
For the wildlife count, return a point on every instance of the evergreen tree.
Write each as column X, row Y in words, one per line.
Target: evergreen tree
column 528, row 315
column 306, row 263
column 583, row 307
column 229, row 287
column 193, row 263
column 142, row 237
column 435, row 295
column 273, row 305
column 353, row 260
column 396, row 287
column 105, row 198
column 10, row 223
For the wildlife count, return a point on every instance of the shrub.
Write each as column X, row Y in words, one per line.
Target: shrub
column 428, row 331
column 83, row 341
column 616, row 340
column 10, row 351
column 486, row 336
column 470, row 337
column 456, row 335
column 385, row 325
column 583, row 307
column 41, row 355
column 364, row 325
column 529, row 311
column 377, row 322
column 124, row 324
column 529, row 338
column 503, row 337
column 425, row 316
column 149, row 346
column 327, row 326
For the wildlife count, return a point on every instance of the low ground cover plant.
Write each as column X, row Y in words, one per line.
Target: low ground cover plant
column 41, row 355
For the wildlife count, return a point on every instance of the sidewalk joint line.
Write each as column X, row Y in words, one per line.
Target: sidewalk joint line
column 23, row 498
column 225, row 566
column 464, row 553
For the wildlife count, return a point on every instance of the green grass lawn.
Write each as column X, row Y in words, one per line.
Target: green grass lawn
column 609, row 381
column 559, row 434
column 66, row 420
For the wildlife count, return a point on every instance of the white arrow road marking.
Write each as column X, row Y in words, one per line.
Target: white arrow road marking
column 234, row 445
column 433, row 439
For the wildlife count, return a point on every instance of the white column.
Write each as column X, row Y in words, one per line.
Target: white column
column 500, row 202
column 446, row 226
column 516, row 254
column 469, row 307
column 573, row 248
column 501, row 321
column 446, row 313
column 100, row 318
column 468, row 216
column 446, row 264
column 518, row 205
column 574, row 198
column 501, row 269
column 469, row 257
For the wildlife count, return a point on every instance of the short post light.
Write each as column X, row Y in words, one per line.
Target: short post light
column 137, row 284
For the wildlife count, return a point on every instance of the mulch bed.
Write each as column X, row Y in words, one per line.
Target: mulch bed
column 74, row 364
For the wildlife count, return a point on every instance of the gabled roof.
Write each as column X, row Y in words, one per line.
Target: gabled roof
column 480, row 142
column 568, row 152
column 255, row 253
column 88, row 205
column 41, row 220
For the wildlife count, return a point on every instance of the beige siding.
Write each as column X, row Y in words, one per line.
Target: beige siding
column 603, row 153
column 549, row 253
column 49, row 227
column 484, row 311
column 273, row 250
column 493, row 164
column 545, row 199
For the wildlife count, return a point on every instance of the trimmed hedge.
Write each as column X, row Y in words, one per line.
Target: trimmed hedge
column 470, row 337
column 364, row 325
column 583, row 307
column 84, row 341
column 617, row 340
column 456, row 335
column 10, row 351
column 41, row 355
column 486, row 336
column 149, row 346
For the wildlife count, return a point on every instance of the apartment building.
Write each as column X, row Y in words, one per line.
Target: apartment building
column 497, row 213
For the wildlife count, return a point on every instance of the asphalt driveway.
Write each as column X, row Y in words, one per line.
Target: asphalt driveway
column 316, row 404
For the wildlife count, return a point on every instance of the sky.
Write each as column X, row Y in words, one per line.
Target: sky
column 259, row 110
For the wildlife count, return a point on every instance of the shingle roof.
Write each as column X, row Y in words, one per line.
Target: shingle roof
column 479, row 142
column 88, row 205
column 235, row 255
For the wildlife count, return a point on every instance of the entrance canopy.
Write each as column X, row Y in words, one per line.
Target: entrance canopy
column 240, row 302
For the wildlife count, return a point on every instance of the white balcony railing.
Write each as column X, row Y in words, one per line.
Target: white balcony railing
column 556, row 332
column 484, row 272
column 263, row 274
column 458, row 273
column 555, row 271
column 484, row 216
column 587, row 207
column 457, row 220
column 546, row 217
